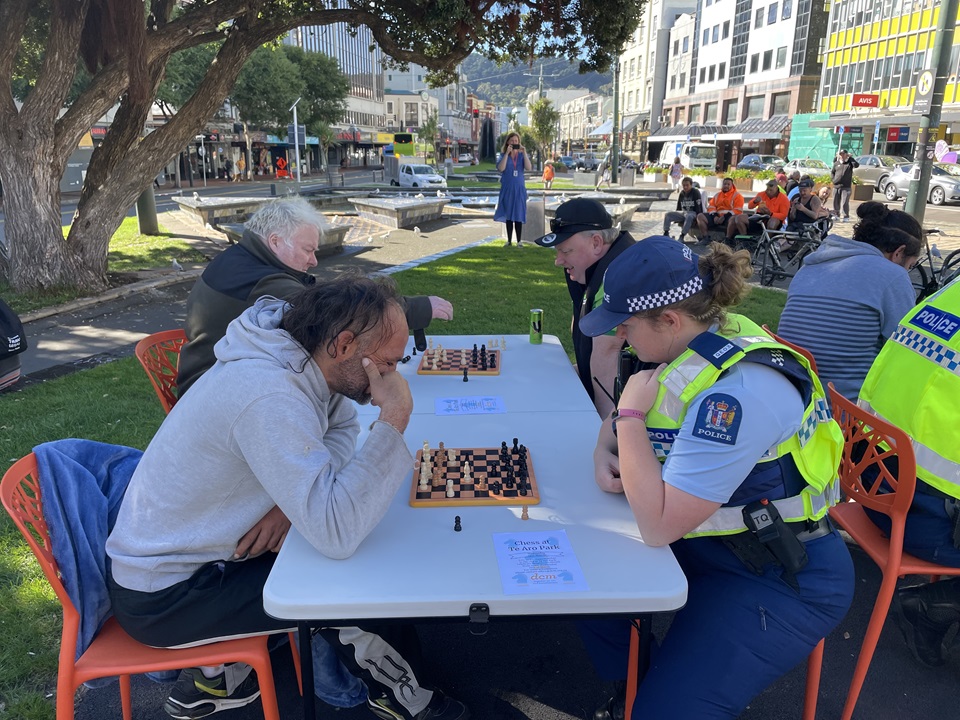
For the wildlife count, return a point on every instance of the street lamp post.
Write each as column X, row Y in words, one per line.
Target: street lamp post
column 296, row 137
column 203, row 158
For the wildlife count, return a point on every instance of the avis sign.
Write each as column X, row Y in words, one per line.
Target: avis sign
column 866, row 100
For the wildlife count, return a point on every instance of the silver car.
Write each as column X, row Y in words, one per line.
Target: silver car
column 875, row 169
column 944, row 183
column 807, row 166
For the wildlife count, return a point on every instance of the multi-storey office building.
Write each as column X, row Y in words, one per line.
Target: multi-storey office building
column 736, row 72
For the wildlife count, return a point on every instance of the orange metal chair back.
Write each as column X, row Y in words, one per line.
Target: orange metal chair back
column 160, row 354
column 112, row 651
column 870, row 442
column 793, row 346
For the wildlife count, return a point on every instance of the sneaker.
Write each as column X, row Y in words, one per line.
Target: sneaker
column 846, row 219
column 441, row 707
column 519, row 243
column 196, row 696
column 612, row 709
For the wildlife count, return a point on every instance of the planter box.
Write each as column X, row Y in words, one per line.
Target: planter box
column 710, row 181
column 627, row 177
column 862, row 192
column 743, row 184
column 654, row 177
column 585, row 179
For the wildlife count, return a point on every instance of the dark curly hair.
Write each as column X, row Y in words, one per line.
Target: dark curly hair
column 315, row 316
column 876, row 219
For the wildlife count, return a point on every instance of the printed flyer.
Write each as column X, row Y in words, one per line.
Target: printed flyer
column 538, row 562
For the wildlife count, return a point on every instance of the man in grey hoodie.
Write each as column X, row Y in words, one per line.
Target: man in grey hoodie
column 860, row 285
column 270, row 424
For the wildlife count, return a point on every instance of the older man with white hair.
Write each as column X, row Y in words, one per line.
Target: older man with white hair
column 273, row 257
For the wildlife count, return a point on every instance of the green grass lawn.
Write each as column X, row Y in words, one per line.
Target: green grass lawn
column 129, row 252
column 492, row 288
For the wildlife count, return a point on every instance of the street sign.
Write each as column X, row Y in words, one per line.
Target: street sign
column 302, row 132
column 924, row 95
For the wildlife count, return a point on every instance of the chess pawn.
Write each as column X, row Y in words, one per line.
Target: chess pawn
column 450, row 492
column 524, row 515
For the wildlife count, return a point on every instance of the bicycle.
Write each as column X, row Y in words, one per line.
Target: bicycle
column 780, row 254
column 938, row 272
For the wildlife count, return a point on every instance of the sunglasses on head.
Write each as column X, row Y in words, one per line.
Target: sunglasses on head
column 557, row 224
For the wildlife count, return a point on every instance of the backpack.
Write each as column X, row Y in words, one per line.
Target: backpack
column 12, row 339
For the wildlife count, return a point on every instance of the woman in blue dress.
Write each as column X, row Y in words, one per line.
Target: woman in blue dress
column 512, row 203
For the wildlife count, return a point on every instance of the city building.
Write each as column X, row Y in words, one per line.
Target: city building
column 739, row 77
column 361, row 133
column 580, row 118
column 873, row 56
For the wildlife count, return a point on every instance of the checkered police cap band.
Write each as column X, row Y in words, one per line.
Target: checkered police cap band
column 665, row 297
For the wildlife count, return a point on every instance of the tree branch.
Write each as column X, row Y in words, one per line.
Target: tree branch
column 13, row 23
column 53, row 83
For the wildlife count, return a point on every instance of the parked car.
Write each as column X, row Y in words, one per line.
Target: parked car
column 420, row 176
column 944, row 183
column 755, row 161
column 807, row 166
column 588, row 163
column 568, row 161
column 875, row 169
column 465, row 158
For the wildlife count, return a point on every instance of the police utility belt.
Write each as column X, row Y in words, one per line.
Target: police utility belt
column 771, row 541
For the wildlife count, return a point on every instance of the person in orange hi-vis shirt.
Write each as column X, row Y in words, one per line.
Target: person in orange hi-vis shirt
column 722, row 206
column 772, row 207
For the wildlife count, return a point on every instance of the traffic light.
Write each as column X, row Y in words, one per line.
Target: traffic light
column 476, row 113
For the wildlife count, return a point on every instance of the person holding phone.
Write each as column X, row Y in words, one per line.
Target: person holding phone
column 512, row 203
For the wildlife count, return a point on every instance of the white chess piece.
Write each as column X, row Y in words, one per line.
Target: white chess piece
column 450, row 492
column 467, row 474
column 451, row 455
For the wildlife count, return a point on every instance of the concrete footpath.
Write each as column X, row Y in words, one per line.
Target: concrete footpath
column 520, row 669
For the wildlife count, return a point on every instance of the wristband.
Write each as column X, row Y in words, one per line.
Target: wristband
column 626, row 413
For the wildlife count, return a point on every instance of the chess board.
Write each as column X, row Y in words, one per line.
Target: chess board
column 457, row 359
column 482, row 462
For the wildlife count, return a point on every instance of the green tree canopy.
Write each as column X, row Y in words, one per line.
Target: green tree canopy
column 543, row 124
column 266, row 88
column 325, row 88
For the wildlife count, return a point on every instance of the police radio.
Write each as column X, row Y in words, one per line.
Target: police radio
column 625, row 369
column 763, row 520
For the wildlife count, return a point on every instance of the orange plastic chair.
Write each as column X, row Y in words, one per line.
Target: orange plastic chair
column 160, row 354
column 864, row 433
column 802, row 350
column 112, row 651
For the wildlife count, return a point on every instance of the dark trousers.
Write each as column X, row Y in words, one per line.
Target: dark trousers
column 841, row 196
column 225, row 599
column 738, row 633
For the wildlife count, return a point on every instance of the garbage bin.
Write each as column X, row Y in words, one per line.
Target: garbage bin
column 536, row 223
column 448, row 167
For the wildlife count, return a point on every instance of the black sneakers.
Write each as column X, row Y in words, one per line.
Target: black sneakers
column 612, row 709
column 924, row 621
column 441, row 707
column 196, row 696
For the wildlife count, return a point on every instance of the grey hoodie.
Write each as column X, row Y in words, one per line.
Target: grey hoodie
column 845, row 301
column 260, row 428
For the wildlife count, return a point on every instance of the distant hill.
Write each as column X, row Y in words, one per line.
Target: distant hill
column 508, row 85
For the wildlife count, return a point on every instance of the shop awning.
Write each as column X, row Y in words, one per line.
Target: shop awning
column 758, row 129
column 628, row 123
column 684, row 133
column 603, row 129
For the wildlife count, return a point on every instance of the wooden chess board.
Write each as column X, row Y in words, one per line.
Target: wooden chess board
column 484, row 466
column 457, row 359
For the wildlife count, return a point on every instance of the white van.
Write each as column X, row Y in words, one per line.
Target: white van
column 692, row 154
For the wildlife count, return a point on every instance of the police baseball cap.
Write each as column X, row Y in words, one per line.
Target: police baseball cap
column 655, row 272
column 805, row 183
column 575, row 216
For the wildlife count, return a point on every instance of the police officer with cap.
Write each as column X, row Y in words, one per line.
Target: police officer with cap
column 586, row 242
column 728, row 453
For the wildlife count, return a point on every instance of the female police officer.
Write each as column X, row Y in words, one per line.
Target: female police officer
column 728, row 453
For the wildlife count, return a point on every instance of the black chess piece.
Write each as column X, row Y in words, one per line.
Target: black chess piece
column 523, row 451
column 522, row 489
column 414, row 350
column 503, row 448
column 516, row 447
column 456, row 524
column 465, row 375
column 493, row 361
column 483, row 349
column 496, row 487
column 483, row 362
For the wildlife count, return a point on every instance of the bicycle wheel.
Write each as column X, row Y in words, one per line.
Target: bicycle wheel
column 769, row 265
column 920, row 281
column 950, row 268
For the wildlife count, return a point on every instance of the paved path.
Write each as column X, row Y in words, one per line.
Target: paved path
column 520, row 669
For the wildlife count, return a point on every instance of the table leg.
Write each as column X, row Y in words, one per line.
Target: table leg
column 305, row 633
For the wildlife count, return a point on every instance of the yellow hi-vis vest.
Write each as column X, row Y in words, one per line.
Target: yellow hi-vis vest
column 914, row 384
column 815, row 448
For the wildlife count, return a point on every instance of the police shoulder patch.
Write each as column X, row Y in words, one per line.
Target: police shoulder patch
column 718, row 419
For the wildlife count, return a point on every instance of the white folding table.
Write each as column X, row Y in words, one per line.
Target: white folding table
column 415, row 566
